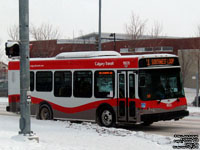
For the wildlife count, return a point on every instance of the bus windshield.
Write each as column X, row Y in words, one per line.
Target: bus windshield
column 158, row 84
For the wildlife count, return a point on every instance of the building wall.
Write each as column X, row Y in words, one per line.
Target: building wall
column 51, row 48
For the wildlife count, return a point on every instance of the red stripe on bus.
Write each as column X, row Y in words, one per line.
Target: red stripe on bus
column 14, row 98
column 93, row 105
column 112, row 102
column 162, row 105
column 109, row 63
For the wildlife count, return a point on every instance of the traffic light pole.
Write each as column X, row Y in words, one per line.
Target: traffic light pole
column 99, row 38
column 25, row 123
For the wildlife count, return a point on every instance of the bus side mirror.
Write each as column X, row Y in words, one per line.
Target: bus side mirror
column 142, row 81
column 12, row 49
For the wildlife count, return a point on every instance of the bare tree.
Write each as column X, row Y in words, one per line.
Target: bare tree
column 136, row 27
column 44, row 32
column 186, row 62
column 3, row 57
column 197, row 31
column 13, row 32
column 1, row 51
column 156, row 30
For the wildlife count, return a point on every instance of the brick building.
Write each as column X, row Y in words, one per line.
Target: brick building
column 51, row 48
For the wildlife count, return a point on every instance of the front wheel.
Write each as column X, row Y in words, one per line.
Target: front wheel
column 106, row 117
column 45, row 113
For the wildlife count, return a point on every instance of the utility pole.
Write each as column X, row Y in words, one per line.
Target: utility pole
column 114, row 36
column 25, row 123
column 99, row 39
column 197, row 86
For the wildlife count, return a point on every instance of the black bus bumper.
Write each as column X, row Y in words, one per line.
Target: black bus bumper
column 176, row 115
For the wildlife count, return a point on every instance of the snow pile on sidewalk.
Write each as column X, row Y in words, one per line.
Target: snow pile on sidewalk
column 3, row 103
column 190, row 95
column 64, row 135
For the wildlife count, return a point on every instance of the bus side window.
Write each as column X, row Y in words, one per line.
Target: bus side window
column 44, row 81
column 63, row 84
column 82, row 84
column 104, row 85
column 32, row 81
column 131, row 86
column 121, row 86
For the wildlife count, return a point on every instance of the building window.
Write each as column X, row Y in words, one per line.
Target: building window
column 152, row 49
column 82, row 84
column 104, row 84
column 167, row 48
column 124, row 50
column 44, row 81
column 139, row 49
column 63, row 84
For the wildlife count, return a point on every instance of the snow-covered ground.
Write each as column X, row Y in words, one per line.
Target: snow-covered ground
column 190, row 95
column 64, row 135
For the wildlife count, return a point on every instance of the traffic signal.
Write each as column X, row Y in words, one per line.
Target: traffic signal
column 12, row 49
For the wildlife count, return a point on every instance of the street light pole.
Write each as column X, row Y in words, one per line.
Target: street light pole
column 114, row 36
column 25, row 125
column 197, row 78
column 99, row 38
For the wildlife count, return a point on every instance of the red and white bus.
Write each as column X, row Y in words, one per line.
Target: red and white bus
column 102, row 86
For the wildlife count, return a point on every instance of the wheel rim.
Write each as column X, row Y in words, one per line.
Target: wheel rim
column 45, row 114
column 106, row 117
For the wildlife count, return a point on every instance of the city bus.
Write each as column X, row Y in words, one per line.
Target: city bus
column 102, row 86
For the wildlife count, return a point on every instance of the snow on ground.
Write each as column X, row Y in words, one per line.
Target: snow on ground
column 64, row 135
column 190, row 95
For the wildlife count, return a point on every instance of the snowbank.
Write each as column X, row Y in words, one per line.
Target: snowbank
column 63, row 135
column 190, row 95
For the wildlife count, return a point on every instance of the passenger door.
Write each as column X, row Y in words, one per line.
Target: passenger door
column 126, row 111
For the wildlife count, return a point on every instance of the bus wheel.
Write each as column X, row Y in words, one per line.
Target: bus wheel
column 45, row 112
column 106, row 117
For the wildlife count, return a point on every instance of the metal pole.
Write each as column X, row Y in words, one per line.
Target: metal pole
column 197, row 92
column 99, row 39
column 114, row 42
column 25, row 125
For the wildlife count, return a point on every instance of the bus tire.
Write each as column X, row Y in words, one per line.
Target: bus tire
column 106, row 117
column 45, row 112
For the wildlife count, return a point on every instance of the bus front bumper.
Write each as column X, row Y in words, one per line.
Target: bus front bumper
column 176, row 115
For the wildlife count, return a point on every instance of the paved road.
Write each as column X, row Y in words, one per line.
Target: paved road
column 188, row 125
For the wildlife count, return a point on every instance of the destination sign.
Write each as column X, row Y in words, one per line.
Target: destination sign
column 146, row 62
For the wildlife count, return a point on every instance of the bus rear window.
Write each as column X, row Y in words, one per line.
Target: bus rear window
column 104, row 84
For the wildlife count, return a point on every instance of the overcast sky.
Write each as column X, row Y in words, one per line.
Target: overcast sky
column 178, row 17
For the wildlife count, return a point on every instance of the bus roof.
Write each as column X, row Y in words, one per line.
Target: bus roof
column 98, row 60
column 97, row 55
